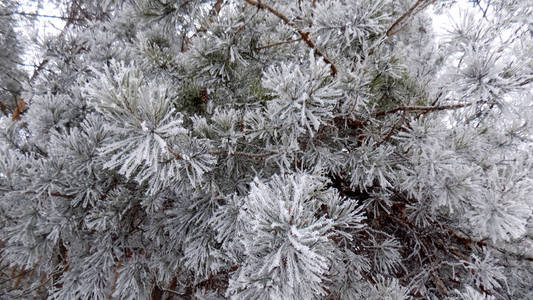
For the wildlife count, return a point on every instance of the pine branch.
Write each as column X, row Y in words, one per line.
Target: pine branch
column 404, row 19
column 304, row 35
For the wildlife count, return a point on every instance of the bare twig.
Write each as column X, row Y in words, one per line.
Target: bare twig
column 404, row 19
column 304, row 35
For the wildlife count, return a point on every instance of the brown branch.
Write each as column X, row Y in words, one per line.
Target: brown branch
column 303, row 35
column 216, row 8
column 404, row 19
column 19, row 109
column 420, row 109
column 440, row 285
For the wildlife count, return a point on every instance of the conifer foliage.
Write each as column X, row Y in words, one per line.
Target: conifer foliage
column 254, row 149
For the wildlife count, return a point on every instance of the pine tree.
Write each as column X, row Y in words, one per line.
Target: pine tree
column 273, row 150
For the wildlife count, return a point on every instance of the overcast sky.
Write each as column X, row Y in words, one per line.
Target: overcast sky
column 45, row 26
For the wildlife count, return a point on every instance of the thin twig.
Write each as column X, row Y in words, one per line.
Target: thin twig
column 303, row 35
column 404, row 19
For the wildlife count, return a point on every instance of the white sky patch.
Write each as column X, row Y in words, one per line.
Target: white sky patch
column 443, row 23
column 46, row 24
